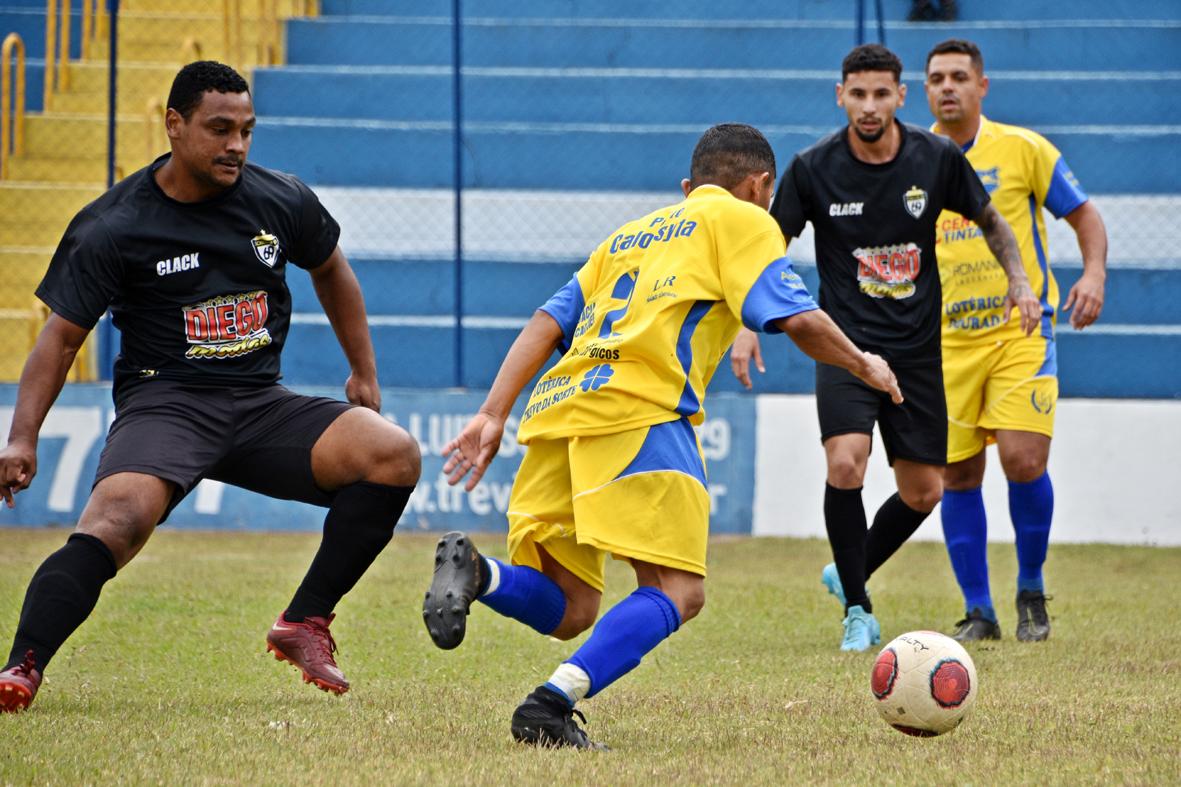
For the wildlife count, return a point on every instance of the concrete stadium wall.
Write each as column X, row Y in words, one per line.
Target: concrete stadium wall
column 1113, row 464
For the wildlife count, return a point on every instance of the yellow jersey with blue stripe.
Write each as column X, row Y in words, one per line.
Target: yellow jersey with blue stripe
column 647, row 319
column 1023, row 172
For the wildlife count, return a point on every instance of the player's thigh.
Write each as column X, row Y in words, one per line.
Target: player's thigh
column 541, row 518
column 360, row 445
column 966, row 370
column 1022, row 392
column 916, row 430
column 274, row 432
column 123, row 510
column 642, row 495
column 170, row 432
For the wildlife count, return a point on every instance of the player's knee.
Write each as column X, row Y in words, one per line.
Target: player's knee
column 924, row 498
column 845, row 472
column 690, row 601
column 122, row 528
column 1023, row 468
column 400, row 459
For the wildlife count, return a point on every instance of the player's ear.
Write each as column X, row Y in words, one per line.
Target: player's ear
column 840, row 94
column 686, row 186
column 172, row 123
column 901, row 93
column 983, row 86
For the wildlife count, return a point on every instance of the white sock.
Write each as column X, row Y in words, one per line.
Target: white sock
column 493, row 576
column 571, row 680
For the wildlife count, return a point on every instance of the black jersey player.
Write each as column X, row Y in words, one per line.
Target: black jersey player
column 191, row 254
column 873, row 191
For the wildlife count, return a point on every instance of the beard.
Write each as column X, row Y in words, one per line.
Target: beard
column 869, row 138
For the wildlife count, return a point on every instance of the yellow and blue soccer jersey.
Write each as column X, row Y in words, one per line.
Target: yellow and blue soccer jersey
column 1023, row 173
column 649, row 316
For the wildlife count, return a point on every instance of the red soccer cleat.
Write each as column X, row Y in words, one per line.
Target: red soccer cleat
column 19, row 685
column 309, row 646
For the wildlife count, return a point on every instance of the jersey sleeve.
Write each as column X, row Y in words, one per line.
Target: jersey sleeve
column 1054, row 183
column 965, row 193
column 758, row 282
column 793, row 199
column 85, row 273
column 318, row 232
column 566, row 305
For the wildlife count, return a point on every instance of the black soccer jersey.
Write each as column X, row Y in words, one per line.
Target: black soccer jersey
column 875, row 235
column 198, row 290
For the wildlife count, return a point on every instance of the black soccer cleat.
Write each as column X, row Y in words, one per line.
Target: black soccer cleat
column 976, row 627
column 545, row 719
column 1033, row 623
column 453, row 589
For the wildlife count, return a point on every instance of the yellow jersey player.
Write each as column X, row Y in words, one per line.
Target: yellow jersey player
column 613, row 465
column 1002, row 385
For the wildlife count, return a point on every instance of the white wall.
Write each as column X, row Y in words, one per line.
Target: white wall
column 1115, row 464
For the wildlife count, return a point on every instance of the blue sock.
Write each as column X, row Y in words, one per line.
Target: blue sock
column 965, row 530
column 1031, row 507
column 525, row 594
column 624, row 635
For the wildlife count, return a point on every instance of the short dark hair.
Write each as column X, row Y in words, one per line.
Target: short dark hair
column 196, row 79
column 958, row 46
column 871, row 57
column 729, row 152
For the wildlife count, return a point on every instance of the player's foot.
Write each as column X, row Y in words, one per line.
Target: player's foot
column 1033, row 624
column 309, row 646
column 453, row 589
column 861, row 629
column 975, row 627
column 546, row 719
column 832, row 580
column 18, row 685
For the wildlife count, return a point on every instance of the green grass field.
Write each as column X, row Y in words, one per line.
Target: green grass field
column 169, row 682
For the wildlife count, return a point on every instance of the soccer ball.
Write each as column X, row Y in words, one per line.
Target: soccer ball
column 923, row 683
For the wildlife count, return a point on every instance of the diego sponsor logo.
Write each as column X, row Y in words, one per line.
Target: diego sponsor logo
column 888, row 271
column 227, row 326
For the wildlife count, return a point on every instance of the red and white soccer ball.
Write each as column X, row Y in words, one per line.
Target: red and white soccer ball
column 923, row 683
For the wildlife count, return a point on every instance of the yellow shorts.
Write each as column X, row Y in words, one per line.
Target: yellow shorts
column 639, row 494
column 998, row 385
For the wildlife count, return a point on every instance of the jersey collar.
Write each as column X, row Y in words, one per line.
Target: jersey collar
column 984, row 130
column 707, row 189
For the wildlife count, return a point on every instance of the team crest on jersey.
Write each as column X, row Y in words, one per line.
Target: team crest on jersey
column 915, row 200
column 266, row 248
column 1042, row 401
column 989, row 178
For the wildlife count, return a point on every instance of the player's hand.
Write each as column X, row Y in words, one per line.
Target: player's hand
column 472, row 451
column 746, row 349
column 363, row 390
column 1021, row 297
column 18, row 465
column 878, row 374
column 1086, row 298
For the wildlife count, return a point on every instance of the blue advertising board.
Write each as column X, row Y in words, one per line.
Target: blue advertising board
column 74, row 431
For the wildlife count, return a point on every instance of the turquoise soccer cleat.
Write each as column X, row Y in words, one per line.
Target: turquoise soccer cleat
column 861, row 630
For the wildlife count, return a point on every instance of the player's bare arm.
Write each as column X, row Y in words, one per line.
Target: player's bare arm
column 1003, row 245
column 41, row 381
column 818, row 336
column 744, row 350
column 340, row 296
column 475, row 447
column 1086, row 296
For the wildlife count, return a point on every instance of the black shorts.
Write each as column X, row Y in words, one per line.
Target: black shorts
column 915, row 430
column 258, row 438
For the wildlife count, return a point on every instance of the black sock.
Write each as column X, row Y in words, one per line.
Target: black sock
column 844, row 518
column 61, row 595
column 358, row 526
column 894, row 522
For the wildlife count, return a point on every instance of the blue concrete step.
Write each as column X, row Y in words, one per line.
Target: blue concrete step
column 706, row 44
column 573, row 156
column 750, row 9
column 29, row 23
column 639, row 96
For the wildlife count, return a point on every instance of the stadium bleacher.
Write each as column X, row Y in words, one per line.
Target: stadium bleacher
column 576, row 119
column 566, row 100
